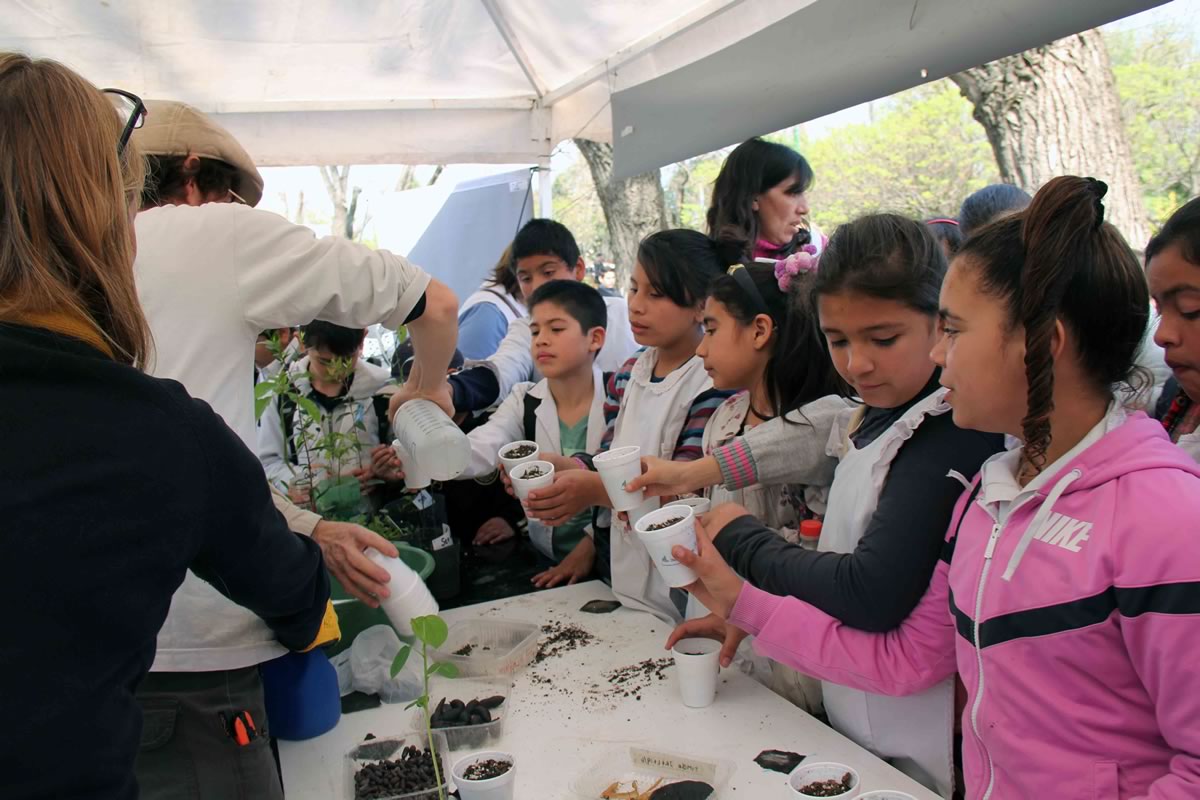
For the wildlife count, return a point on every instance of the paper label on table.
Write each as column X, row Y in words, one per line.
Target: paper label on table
column 655, row 761
column 443, row 541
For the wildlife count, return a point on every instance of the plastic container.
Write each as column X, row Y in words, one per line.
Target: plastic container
column 658, row 543
column 522, row 485
column 408, row 596
column 822, row 771
column 617, row 467
column 300, row 691
column 390, row 748
column 509, row 463
column 498, row 647
column 886, row 794
column 698, row 505
column 430, row 445
column 628, row 763
column 469, row 737
column 810, row 533
column 498, row 788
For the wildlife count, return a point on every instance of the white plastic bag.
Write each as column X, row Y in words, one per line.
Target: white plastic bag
column 367, row 664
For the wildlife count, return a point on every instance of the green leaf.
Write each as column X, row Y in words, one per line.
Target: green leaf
column 400, row 660
column 308, row 407
column 430, row 629
column 264, row 389
column 444, row 669
column 413, row 704
column 260, row 405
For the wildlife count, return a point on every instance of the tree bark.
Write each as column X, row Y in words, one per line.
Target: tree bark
column 1054, row 110
column 633, row 208
column 337, row 179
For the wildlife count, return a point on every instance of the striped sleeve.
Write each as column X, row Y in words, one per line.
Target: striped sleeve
column 613, row 396
column 738, row 469
column 691, row 439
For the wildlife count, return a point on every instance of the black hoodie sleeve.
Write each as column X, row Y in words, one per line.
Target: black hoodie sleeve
column 875, row 587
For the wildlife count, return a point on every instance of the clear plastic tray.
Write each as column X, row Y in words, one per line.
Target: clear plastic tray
column 390, row 747
column 498, row 647
column 647, row 764
column 469, row 737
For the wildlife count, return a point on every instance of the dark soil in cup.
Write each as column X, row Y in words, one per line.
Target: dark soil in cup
column 412, row 772
column 658, row 526
column 486, row 769
column 533, row 472
column 559, row 639
column 828, row 788
column 521, row 452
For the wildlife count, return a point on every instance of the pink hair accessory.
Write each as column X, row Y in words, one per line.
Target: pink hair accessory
column 800, row 262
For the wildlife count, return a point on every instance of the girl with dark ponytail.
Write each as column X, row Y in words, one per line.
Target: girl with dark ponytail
column 1069, row 588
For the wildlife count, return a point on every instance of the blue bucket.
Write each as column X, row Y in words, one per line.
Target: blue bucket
column 302, row 697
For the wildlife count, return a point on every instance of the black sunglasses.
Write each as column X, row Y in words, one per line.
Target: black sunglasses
column 132, row 108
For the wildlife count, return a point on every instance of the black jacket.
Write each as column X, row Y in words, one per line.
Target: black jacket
column 112, row 485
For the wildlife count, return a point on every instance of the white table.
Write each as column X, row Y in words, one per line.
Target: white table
column 556, row 734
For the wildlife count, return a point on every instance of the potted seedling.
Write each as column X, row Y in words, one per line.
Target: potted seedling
column 282, row 387
column 431, row 632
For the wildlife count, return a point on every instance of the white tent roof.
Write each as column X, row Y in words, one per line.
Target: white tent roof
column 503, row 81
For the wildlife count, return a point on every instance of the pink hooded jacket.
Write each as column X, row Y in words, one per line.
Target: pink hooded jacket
column 1078, row 640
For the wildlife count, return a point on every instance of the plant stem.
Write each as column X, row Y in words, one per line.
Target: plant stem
column 437, row 772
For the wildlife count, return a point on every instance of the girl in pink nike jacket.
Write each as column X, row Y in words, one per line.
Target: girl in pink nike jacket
column 1068, row 597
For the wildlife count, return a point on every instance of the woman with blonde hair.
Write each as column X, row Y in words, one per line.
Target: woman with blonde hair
column 115, row 483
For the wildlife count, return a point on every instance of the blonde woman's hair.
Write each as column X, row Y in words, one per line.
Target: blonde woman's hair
column 66, row 244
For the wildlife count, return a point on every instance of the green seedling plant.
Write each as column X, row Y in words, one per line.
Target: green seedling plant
column 431, row 632
column 283, row 385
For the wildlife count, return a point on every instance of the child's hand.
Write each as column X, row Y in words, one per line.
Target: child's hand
column 561, row 463
column 718, row 587
column 571, row 492
column 577, row 566
column 494, row 531
column 660, row 478
column 385, row 463
column 710, row 627
column 507, row 481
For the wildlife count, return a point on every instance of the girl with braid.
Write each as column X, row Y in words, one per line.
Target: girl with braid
column 1068, row 595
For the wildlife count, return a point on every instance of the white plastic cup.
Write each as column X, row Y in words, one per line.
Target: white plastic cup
column 658, row 543
column 698, row 505
column 696, row 670
column 523, row 486
column 886, row 794
column 408, row 596
column 499, row 788
column 618, row 467
column 509, row 463
column 822, row 771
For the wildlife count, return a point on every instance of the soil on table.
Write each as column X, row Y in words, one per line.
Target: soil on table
column 412, row 772
column 558, row 639
column 828, row 788
column 658, row 526
column 632, row 680
column 521, row 452
column 487, row 769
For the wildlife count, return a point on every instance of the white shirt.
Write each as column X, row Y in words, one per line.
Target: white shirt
column 210, row 279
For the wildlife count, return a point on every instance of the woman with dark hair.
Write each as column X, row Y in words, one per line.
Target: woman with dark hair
column 948, row 233
column 484, row 317
column 759, row 201
column 105, row 516
column 990, row 204
column 1066, row 597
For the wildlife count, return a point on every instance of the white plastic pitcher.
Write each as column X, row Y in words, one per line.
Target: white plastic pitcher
column 431, row 446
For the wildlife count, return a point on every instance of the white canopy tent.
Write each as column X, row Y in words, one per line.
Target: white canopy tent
column 503, row 81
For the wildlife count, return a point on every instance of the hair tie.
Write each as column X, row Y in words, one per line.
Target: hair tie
column 1098, row 190
column 742, row 276
column 800, row 262
column 944, row 221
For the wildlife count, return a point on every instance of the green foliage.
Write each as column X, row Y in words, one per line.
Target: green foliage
column 1158, row 79
column 431, row 631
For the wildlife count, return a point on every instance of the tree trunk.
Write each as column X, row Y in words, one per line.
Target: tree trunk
column 1054, row 110
column 337, row 179
column 633, row 208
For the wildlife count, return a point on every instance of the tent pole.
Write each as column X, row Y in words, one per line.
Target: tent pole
column 545, row 188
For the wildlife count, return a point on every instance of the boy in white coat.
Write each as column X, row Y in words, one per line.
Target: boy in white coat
column 563, row 413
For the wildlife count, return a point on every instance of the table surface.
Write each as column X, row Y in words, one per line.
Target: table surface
column 564, row 716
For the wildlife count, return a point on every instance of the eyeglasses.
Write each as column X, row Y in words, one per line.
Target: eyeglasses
column 130, row 107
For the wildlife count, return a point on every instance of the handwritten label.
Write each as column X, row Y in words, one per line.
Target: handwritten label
column 657, row 762
column 443, row 541
column 422, row 500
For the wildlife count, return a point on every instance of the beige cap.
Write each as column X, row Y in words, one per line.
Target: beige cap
column 177, row 129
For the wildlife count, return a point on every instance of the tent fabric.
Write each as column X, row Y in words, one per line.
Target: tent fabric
column 504, row 81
